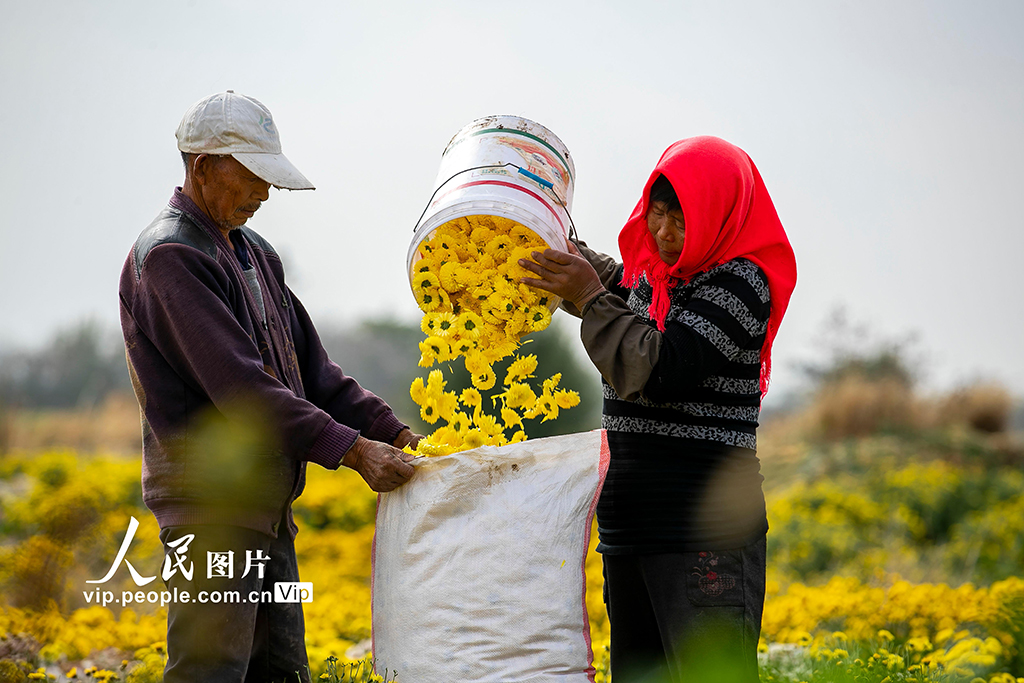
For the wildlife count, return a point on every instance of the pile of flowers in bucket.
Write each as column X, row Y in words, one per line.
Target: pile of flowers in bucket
column 474, row 308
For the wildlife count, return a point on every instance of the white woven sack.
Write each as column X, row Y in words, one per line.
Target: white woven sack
column 478, row 564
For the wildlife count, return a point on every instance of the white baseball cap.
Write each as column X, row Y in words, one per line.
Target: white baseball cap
column 229, row 123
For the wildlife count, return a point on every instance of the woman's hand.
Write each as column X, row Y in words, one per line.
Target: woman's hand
column 566, row 274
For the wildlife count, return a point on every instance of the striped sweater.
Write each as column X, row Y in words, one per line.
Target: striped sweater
column 684, row 474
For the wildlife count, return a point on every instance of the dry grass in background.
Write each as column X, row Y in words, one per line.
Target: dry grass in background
column 113, row 426
column 985, row 407
column 856, row 406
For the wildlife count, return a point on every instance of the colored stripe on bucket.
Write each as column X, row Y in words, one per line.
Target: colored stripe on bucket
column 513, row 131
column 539, row 198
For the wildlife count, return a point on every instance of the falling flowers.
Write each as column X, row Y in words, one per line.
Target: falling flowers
column 474, row 308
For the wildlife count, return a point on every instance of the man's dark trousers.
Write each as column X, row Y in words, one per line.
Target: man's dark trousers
column 243, row 641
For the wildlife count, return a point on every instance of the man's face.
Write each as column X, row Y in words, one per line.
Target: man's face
column 232, row 192
column 668, row 229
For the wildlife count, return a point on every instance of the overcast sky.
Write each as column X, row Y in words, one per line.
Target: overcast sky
column 890, row 136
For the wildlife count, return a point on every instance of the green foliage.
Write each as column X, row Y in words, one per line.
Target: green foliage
column 10, row 672
column 896, row 505
column 361, row 671
column 989, row 543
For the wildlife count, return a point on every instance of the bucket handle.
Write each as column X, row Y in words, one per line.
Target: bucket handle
column 547, row 184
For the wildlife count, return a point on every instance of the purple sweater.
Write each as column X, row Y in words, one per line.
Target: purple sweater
column 232, row 407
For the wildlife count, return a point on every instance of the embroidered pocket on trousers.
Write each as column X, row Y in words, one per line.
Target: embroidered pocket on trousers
column 716, row 578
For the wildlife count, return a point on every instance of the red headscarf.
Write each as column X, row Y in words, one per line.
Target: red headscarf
column 728, row 214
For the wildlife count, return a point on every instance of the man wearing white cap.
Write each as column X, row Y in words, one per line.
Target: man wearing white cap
column 237, row 396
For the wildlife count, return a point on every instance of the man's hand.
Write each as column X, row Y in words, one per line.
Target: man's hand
column 566, row 274
column 382, row 466
column 407, row 437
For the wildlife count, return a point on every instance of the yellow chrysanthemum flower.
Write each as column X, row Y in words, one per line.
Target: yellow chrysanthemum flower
column 506, row 288
column 545, row 406
column 538, row 318
column 502, row 307
column 520, row 396
column 429, row 412
column 427, row 447
column 484, row 380
column 528, row 296
column 426, row 281
column 481, row 236
column 445, row 324
column 488, row 425
column 489, row 316
column 447, row 255
column 418, row 391
column 465, row 278
column 513, row 270
column 444, row 302
column 447, row 405
column 434, row 349
column 487, row 267
column 474, row 438
column 531, row 296
column 460, row 422
column 428, row 300
column 499, row 247
column 515, row 326
column 446, row 436
column 446, row 275
column 477, row 363
column 481, row 293
column 566, row 399
column 551, row 383
column 511, row 418
column 550, row 408
column 461, row 346
column 521, row 368
column 524, row 236
column 469, row 325
column 521, row 252
column 471, row 397
column 518, row 437
column 427, row 323
column 435, row 383
column 499, row 349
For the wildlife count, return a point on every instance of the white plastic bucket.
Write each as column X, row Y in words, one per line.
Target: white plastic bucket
column 504, row 166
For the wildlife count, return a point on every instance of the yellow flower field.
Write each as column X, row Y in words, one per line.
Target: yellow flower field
column 836, row 609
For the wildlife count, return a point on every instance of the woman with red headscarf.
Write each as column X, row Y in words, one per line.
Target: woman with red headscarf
column 682, row 332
